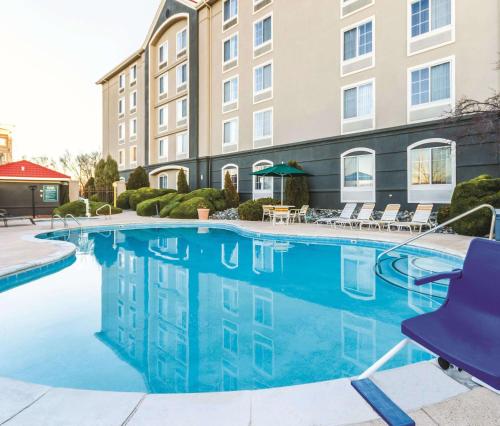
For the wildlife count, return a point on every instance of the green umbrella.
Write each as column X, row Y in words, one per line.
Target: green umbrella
column 281, row 170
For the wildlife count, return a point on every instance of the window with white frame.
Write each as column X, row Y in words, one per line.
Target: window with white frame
column 182, row 144
column 231, row 48
column 263, row 31
column 182, row 109
column 133, row 127
column 431, row 84
column 262, row 185
column 230, row 9
column 163, row 117
column 230, row 132
column 181, row 41
column 232, row 170
column 133, row 73
column 358, row 102
column 133, row 100
column 163, row 54
column 263, row 124
column 263, row 78
column 162, row 84
column 121, row 81
column 358, row 41
column 429, row 15
column 121, row 106
column 163, row 181
column 162, row 148
column 133, row 154
column 121, row 132
column 230, row 90
column 357, row 174
column 182, row 74
column 121, row 157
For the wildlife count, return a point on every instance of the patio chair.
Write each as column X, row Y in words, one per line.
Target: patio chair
column 267, row 212
column 420, row 218
column 281, row 215
column 299, row 214
column 6, row 218
column 389, row 216
column 364, row 214
column 346, row 213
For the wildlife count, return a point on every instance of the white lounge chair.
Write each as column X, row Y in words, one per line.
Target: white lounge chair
column 364, row 214
column 346, row 213
column 299, row 214
column 281, row 215
column 390, row 216
column 420, row 218
column 267, row 211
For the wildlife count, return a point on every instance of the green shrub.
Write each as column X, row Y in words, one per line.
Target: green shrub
column 443, row 214
column 77, row 209
column 145, row 194
column 138, row 179
column 252, row 209
column 230, row 194
column 188, row 209
column 469, row 194
column 214, row 196
column 89, row 188
column 296, row 188
column 123, row 200
column 148, row 207
column 94, row 198
column 94, row 206
column 182, row 184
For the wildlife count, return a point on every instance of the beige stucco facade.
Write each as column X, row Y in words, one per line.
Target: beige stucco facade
column 5, row 144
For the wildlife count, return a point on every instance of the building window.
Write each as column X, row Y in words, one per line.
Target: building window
column 121, row 157
column 50, row 193
column 232, row 169
column 163, row 54
column 230, row 132
column 163, row 118
column 182, row 109
column 358, row 101
column 181, row 41
column 230, row 9
column 182, row 144
column 358, row 41
column 133, row 154
column 133, row 100
column 230, row 336
column 263, row 32
column 121, row 133
column 163, row 181
column 182, row 74
column 263, row 124
column 133, row 127
column 263, row 78
column 262, row 185
column 429, row 15
column 162, row 84
column 231, row 48
column 121, row 106
column 231, row 90
column 121, row 81
column 357, row 171
column 162, row 148
column 133, row 74
column 431, row 84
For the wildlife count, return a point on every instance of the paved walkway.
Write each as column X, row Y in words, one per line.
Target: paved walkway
column 431, row 396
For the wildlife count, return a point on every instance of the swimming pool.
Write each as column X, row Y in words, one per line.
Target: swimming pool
column 196, row 309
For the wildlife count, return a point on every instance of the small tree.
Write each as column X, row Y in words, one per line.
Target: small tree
column 106, row 172
column 138, row 179
column 230, row 193
column 182, row 185
column 89, row 188
column 296, row 188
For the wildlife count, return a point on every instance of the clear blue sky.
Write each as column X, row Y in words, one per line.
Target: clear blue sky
column 52, row 53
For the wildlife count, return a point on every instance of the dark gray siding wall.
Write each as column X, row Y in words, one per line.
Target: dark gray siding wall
column 15, row 197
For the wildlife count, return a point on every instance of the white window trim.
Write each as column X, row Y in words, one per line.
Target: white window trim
column 270, row 42
column 177, row 102
column 121, row 164
column 163, row 128
column 344, row 189
column 177, row 85
column 131, row 96
column 271, row 191
column 223, row 174
column 260, row 92
column 121, row 140
column 165, row 47
column 236, row 142
column 430, row 33
column 121, row 101
column 177, row 144
column 347, row 3
column 272, row 126
column 427, row 188
column 442, row 102
column 224, row 22
column 130, row 154
column 233, row 77
column 131, row 79
column 120, row 86
column 131, row 127
column 159, row 178
column 184, row 49
column 364, row 117
column 237, row 34
column 165, row 148
column 359, row 57
column 165, row 75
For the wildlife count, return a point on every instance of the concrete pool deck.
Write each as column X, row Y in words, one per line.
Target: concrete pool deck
column 429, row 395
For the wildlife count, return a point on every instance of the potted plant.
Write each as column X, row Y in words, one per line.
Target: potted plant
column 203, row 211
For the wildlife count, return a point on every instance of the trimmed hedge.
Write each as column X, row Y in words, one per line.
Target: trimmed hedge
column 188, row 209
column 148, row 207
column 469, row 194
column 143, row 194
column 123, row 200
column 77, row 208
column 252, row 209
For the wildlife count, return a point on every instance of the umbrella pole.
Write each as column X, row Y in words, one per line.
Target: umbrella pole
column 282, row 190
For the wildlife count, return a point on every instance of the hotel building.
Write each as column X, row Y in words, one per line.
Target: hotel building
column 357, row 91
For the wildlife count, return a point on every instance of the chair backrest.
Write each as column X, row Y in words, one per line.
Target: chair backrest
column 281, row 210
column 303, row 209
column 479, row 287
column 423, row 213
column 366, row 211
column 348, row 210
column 391, row 212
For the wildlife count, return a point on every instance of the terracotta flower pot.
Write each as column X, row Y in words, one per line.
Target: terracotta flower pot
column 203, row 214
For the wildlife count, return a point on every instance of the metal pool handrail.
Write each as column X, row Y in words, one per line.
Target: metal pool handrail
column 74, row 218
column 100, row 208
column 56, row 216
column 442, row 225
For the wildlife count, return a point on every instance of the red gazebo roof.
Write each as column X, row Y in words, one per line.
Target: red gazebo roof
column 27, row 170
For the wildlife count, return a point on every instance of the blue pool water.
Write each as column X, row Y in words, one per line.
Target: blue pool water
column 196, row 310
